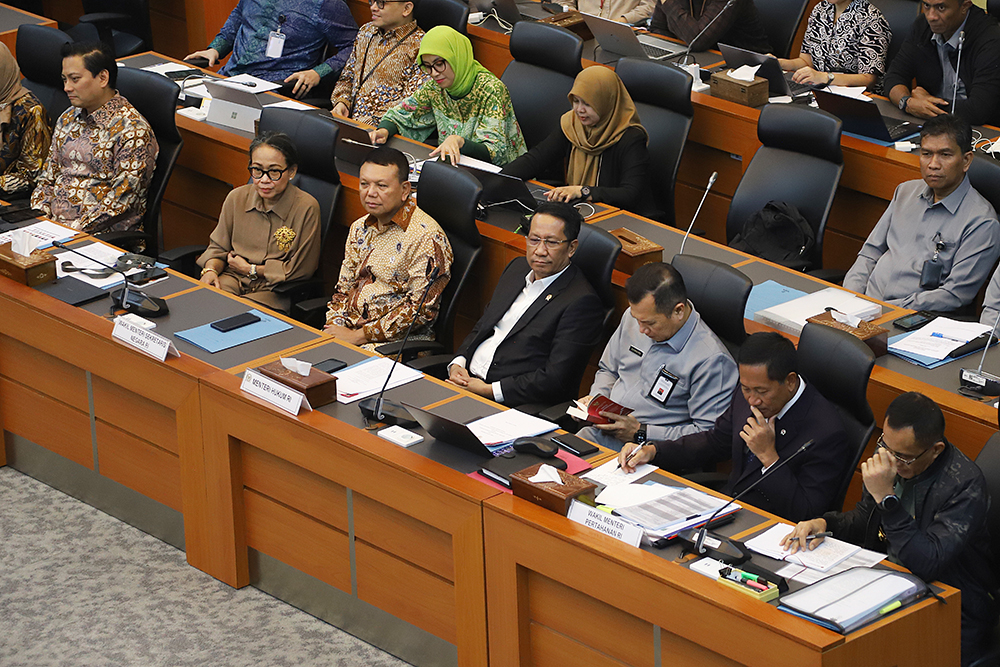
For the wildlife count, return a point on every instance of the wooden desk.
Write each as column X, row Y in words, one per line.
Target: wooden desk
column 562, row 594
column 12, row 18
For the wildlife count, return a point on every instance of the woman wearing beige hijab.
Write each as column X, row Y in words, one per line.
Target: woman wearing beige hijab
column 24, row 127
column 599, row 150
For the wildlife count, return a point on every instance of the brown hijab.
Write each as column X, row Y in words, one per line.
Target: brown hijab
column 600, row 88
column 10, row 83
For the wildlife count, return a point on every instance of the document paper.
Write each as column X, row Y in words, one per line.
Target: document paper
column 509, row 425
column 366, row 378
column 824, row 557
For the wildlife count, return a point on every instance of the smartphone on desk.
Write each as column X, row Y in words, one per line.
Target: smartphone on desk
column 235, row 322
column 330, row 365
column 914, row 321
column 574, row 444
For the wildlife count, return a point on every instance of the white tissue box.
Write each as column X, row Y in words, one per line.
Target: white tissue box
column 37, row 268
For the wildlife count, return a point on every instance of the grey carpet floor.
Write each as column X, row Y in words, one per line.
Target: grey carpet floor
column 79, row 587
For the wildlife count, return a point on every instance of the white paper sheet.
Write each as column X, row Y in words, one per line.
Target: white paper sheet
column 259, row 85
column 610, row 474
column 509, row 425
column 824, row 557
column 366, row 378
column 626, row 495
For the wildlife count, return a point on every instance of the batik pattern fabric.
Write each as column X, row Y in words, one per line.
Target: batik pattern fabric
column 856, row 43
column 385, row 272
column 381, row 72
column 26, row 140
column 98, row 169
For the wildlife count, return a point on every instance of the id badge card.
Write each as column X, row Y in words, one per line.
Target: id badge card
column 275, row 44
column 663, row 385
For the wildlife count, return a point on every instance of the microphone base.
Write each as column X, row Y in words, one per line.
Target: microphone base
column 715, row 546
column 979, row 382
column 139, row 303
column 393, row 414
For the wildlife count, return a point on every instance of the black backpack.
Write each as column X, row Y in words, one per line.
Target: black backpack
column 779, row 234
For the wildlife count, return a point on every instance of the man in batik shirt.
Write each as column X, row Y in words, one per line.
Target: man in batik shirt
column 390, row 257
column 382, row 69
column 103, row 151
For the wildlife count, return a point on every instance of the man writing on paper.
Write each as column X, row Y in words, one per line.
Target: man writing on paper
column 541, row 324
column 924, row 504
column 938, row 240
column 772, row 414
column 663, row 362
column 389, row 257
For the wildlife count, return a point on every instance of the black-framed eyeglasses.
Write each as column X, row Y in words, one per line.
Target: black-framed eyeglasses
column 438, row 66
column 382, row 3
column 901, row 459
column 551, row 244
column 274, row 174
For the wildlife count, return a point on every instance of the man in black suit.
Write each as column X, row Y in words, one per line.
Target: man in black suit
column 774, row 411
column 541, row 324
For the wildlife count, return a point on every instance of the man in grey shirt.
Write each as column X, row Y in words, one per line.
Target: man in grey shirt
column 663, row 362
column 936, row 243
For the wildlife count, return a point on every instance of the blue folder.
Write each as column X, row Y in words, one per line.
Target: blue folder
column 212, row 340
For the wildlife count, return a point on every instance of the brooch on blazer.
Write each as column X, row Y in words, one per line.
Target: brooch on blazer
column 284, row 236
column 548, row 297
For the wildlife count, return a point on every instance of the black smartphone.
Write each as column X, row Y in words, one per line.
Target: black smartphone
column 330, row 365
column 22, row 215
column 147, row 276
column 914, row 321
column 235, row 322
column 573, row 444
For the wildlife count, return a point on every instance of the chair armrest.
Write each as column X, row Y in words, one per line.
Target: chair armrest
column 300, row 290
column 713, row 480
column 835, row 276
column 554, row 412
column 532, row 408
column 436, row 366
column 104, row 17
column 311, row 312
column 182, row 259
column 127, row 240
column 413, row 348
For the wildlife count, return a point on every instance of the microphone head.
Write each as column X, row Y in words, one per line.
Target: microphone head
column 807, row 445
column 711, row 179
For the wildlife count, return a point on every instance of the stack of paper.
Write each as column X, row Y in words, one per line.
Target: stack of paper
column 791, row 316
column 677, row 509
column 46, row 232
column 366, row 378
column 829, row 553
column 508, row 425
column 611, row 474
column 933, row 342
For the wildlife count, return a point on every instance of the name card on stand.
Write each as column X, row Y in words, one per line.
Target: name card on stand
column 601, row 521
column 274, row 392
column 151, row 343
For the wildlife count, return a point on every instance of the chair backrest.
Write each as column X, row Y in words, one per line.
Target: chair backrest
column 993, row 8
column 719, row 293
column 595, row 256
column 781, row 19
column 155, row 97
column 984, row 176
column 315, row 139
column 839, row 366
column 430, row 13
column 40, row 59
column 900, row 14
column 662, row 96
column 450, row 195
column 800, row 163
column 988, row 461
column 546, row 61
column 127, row 36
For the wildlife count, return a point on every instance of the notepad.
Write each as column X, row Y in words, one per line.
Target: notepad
column 824, row 557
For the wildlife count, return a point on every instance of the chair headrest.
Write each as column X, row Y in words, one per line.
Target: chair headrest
column 314, row 136
column 657, row 83
column 839, row 365
column 450, row 195
column 802, row 130
column 155, row 97
column 548, row 46
column 39, row 53
column 984, row 176
column 595, row 256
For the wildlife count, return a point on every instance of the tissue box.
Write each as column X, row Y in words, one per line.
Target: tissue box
column 37, row 268
column 572, row 21
column 636, row 250
column 872, row 335
column 320, row 388
column 749, row 94
column 550, row 495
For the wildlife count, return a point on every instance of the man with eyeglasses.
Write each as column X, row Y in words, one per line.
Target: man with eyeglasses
column 772, row 413
column 383, row 68
column 663, row 362
column 924, row 504
column 541, row 324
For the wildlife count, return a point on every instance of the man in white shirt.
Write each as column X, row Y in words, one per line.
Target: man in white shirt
column 533, row 341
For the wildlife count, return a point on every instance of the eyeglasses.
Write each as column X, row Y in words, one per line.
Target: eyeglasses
column 902, row 459
column 382, row 3
column 274, row 174
column 551, row 244
column 438, row 66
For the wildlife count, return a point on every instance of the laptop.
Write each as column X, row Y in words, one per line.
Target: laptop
column 619, row 38
column 864, row 118
column 499, row 189
column 448, row 431
column 353, row 142
column 232, row 107
column 778, row 82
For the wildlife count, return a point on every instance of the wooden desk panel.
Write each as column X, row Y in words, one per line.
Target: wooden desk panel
column 11, row 18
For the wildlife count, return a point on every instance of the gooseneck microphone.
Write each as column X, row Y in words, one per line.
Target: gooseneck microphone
column 390, row 412
column 976, row 381
column 686, row 53
column 698, row 536
column 954, row 92
column 711, row 182
column 129, row 298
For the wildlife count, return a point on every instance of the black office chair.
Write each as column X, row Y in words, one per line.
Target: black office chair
column 546, row 61
column 839, row 366
column 988, row 461
column 39, row 55
column 984, row 176
column 124, row 25
column 781, row 19
column 449, row 195
column 993, row 8
column 155, row 97
column 800, row 163
column 900, row 14
column 719, row 293
column 662, row 96
column 430, row 13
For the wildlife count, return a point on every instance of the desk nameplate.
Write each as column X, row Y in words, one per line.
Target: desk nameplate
column 274, row 392
column 603, row 522
column 145, row 341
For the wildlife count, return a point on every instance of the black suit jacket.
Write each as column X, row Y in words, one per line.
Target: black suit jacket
column 803, row 489
column 543, row 357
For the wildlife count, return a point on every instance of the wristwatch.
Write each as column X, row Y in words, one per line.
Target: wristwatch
column 585, row 192
column 640, row 435
column 253, row 272
column 829, row 78
column 889, row 503
column 903, row 101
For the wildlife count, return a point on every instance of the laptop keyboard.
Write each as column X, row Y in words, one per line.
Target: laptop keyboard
column 655, row 51
column 797, row 88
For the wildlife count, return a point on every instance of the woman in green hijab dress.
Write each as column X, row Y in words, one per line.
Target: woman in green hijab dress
column 468, row 106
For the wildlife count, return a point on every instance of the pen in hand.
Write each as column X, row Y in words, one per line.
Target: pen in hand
column 632, row 455
column 817, row 536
